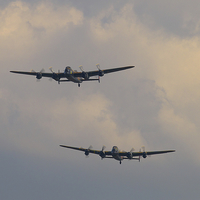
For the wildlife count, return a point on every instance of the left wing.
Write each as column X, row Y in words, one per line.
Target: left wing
column 134, row 154
column 89, row 150
column 152, row 152
column 102, row 72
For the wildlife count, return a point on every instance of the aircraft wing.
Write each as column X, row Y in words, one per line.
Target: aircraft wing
column 83, row 149
column 43, row 74
column 105, row 71
column 152, row 152
column 134, row 154
column 76, row 74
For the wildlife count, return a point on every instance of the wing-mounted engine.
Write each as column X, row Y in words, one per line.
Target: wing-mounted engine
column 144, row 153
column 101, row 73
column 38, row 74
column 102, row 153
column 130, row 154
column 55, row 76
column 84, row 74
column 87, row 151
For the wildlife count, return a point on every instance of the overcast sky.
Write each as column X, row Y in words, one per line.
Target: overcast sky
column 156, row 104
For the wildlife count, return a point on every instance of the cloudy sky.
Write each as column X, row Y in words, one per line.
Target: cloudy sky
column 156, row 104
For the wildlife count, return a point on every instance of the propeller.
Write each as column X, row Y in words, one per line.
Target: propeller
column 84, row 74
column 87, row 151
column 98, row 66
column 144, row 153
column 90, row 147
column 101, row 73
column 38, row 74
column 55, row 76
column 129, row 154
column 81, row 68
column 51, row 69
column 102, row 153
column 103, row 148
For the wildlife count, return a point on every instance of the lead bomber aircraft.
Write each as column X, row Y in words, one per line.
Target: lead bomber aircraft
column 117, row 154
column 73, row 75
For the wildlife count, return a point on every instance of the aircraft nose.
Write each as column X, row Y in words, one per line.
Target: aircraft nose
column 113, row 150
column 66, row 70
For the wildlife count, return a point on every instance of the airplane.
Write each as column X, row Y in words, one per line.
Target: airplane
column 117, row 154
column 73, row 75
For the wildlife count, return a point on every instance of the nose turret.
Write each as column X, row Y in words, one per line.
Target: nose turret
column 68, row 70
column 115, row 149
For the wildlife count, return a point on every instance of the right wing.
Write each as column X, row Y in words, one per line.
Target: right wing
column 135, row 154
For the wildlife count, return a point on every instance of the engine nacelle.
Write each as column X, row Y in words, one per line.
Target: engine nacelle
column 85, row 75
column 101, row 73
column 39, row 75
column 87, row 152
column 129, row 155
column 102, row 154
column 144, row 154
column 55, row 77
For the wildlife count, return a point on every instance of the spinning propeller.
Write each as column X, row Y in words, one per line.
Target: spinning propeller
column 101, row 73
column 129, row 154
column 84, row 74
column 144, row 153
column 38, row 74
column 102, row 153
column 55, row 76
column 87, row 151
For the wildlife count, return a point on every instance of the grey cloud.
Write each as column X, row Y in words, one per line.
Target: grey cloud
column 179, row 18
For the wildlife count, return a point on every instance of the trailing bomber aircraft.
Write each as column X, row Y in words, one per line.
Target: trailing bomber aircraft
column 117, row 154
column 73, row 75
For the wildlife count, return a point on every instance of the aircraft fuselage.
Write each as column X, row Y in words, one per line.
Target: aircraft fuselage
column 115, row 154
column 69, row 75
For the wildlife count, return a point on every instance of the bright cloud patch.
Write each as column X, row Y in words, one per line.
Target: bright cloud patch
column 23, row 27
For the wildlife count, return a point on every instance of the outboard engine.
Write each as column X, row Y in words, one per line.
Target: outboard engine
column 101, row 73
column 39, row 75
column 144, row 153
column 87, row 152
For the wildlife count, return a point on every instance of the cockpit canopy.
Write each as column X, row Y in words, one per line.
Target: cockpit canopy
column 115, row 149
column 68, row 70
